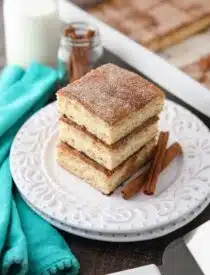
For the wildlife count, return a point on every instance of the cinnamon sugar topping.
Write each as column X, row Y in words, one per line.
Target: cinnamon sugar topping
column 112, row 93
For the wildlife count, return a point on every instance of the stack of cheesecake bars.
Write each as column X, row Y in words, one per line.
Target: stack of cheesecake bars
column 108, row 125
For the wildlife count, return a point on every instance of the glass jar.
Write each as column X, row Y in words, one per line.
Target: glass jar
column 80, row 51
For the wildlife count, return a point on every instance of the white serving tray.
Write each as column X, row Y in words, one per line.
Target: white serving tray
column 189, row 51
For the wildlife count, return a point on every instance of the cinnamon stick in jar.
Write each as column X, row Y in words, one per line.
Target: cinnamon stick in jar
column 79, row 58
column 80, row 51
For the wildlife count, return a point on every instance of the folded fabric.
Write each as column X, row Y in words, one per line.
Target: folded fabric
column 5, row 200
column 15, row 256
column 20, row 96
column 10, row 76
column 8, row 136
column 48, row 252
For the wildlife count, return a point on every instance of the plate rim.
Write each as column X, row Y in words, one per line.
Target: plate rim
column 106, row 230
column 135, row 237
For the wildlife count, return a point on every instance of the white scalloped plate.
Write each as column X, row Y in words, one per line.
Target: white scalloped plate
column 181, row 189
column 123, row 237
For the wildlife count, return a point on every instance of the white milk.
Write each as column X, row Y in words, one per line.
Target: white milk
column 32, row 31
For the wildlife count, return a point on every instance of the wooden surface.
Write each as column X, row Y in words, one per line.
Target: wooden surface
column 100, row 258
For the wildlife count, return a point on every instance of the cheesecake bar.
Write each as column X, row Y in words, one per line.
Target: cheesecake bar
column 110, row 102
column 109, row 156
column 96, row 175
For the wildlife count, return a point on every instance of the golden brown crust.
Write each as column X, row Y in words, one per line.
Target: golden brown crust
column 161, row 42
column 67, row 148
column 111, row 93
column 117, row 144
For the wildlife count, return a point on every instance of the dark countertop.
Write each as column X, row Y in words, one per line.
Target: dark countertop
column 100, row 258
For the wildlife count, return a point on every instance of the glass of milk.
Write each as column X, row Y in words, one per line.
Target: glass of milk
column 32, row 31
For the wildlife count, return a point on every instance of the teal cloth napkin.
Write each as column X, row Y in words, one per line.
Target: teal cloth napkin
column 28, row 244
column 9, row 76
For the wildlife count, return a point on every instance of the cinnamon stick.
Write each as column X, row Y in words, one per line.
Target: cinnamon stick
column 80, row 61
column 80, row 56
column 90, row 34
column 136, row 185
column 171, row 153
column 70, row 32
column 157, row 164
